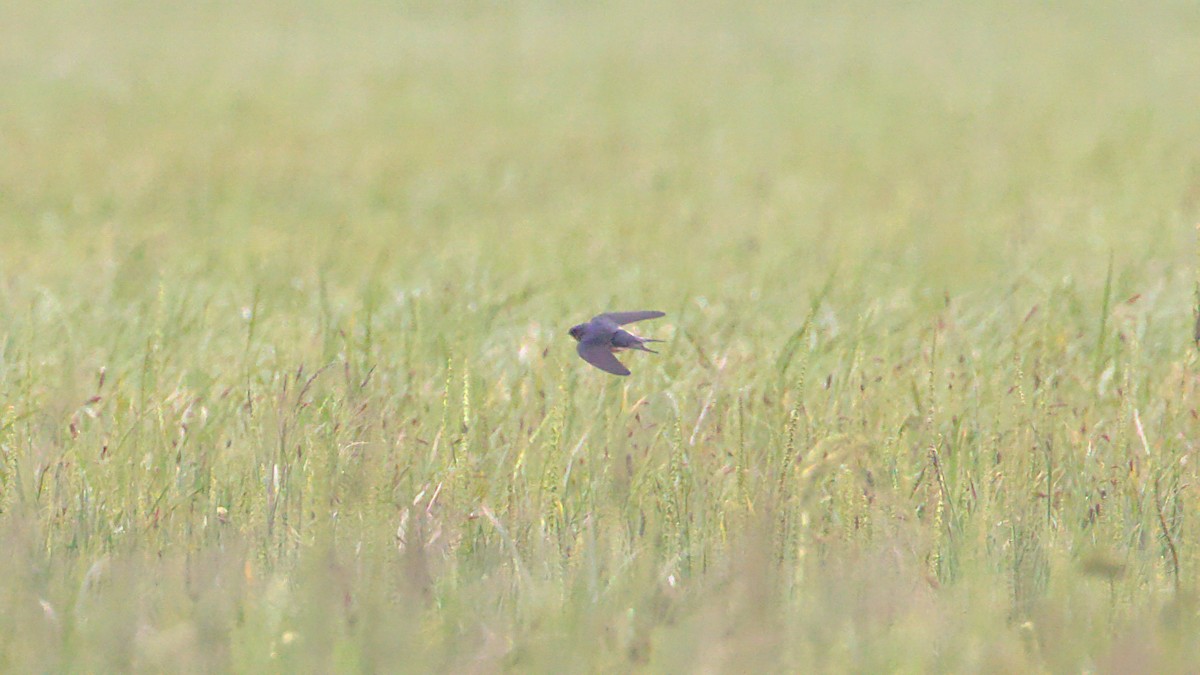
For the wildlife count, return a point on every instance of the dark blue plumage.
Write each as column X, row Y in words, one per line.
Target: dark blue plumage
column 603, row 335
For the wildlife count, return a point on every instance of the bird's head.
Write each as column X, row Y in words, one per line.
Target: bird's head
column 577, row 331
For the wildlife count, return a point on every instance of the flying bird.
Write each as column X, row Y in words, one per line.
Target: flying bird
column 602, row 336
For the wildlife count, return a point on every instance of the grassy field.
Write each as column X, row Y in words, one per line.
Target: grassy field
column 284, row 292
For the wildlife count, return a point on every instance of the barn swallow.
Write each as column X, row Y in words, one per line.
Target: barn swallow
column 602, row 336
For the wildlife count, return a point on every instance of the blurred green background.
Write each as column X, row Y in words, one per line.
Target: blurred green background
column 284, row 289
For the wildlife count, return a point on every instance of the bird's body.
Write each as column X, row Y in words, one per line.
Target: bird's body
column 602, row 336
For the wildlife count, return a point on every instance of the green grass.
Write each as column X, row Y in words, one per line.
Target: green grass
column 286, row 386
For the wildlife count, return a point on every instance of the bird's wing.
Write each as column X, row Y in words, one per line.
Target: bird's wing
column 600, row 354
column 621, row 318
